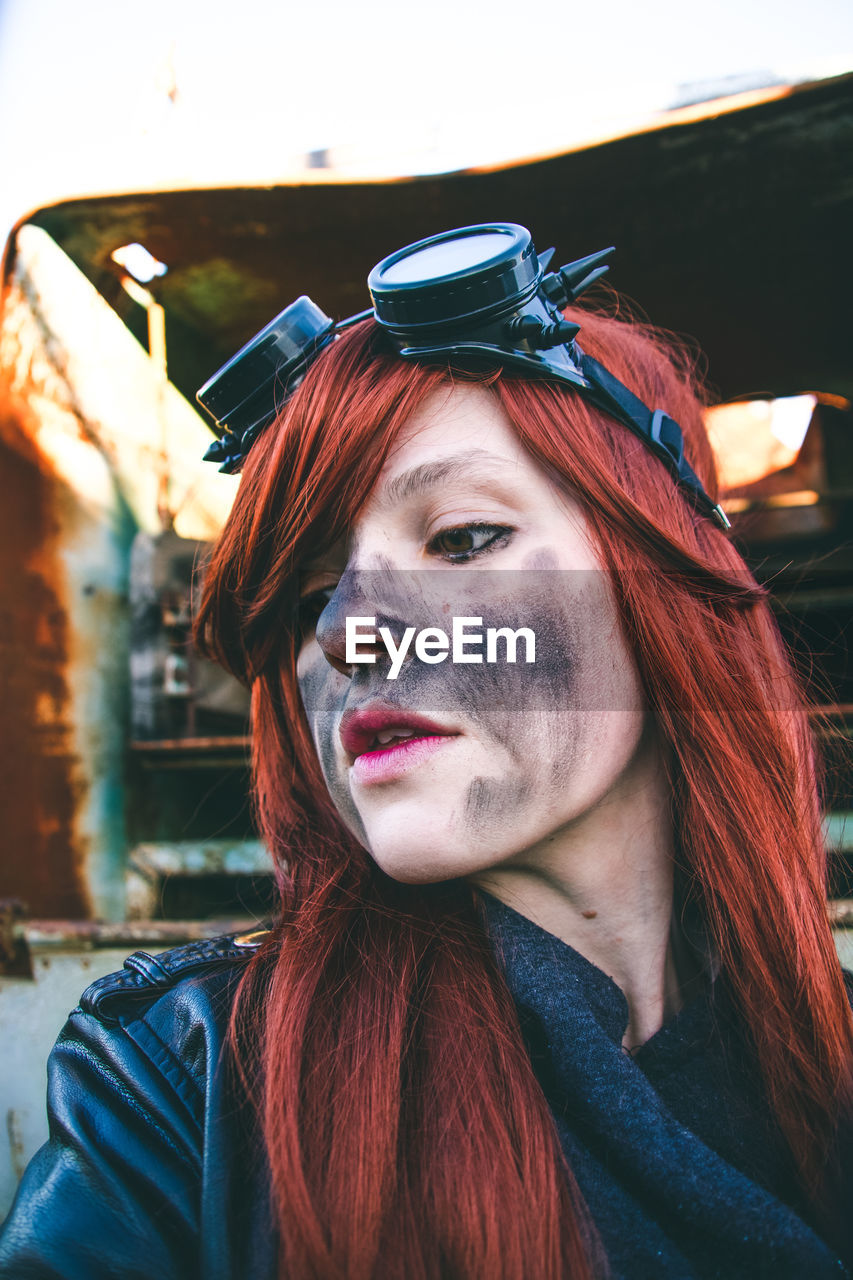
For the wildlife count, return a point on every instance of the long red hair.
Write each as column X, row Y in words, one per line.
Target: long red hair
column 406, row 1133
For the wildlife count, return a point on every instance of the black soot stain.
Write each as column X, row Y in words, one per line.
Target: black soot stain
column 491, row 801
column 522, row 709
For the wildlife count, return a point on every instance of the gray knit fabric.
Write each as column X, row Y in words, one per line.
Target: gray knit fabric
column 675, row 1152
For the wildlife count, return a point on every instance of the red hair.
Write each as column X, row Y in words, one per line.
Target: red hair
column 396, row 1144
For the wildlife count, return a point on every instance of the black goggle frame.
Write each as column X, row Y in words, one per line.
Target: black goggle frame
column 475, row 294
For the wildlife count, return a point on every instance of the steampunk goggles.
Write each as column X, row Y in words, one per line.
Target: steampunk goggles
column 476, row 293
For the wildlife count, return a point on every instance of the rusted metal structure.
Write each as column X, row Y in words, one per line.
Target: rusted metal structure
column 123, row 765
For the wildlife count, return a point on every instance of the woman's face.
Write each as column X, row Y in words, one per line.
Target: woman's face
column 449, row 768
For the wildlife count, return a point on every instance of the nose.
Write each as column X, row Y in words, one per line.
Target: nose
column 330, row 631
column 364, row 594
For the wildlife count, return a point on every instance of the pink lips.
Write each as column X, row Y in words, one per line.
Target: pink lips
column 374, row 761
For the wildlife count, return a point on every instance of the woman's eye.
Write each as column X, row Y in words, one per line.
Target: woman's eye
column 312, row 605
column 465, row 541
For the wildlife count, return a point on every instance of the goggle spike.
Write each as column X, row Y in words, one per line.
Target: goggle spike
column 527, row 328
column 558, row 334
column 581, row 273
column 540, row 335
column 575, row 293
column 545, row 258
column 218, row 450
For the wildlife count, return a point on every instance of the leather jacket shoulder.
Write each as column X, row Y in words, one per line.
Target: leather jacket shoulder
column 151, row 1167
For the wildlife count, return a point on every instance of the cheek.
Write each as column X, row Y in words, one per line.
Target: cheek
column 569, row 721
column 318, row 687
column 528, row 710
column 496, row 805
column 323, row 691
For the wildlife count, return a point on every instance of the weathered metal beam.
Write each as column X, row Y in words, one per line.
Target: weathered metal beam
column 89, row 935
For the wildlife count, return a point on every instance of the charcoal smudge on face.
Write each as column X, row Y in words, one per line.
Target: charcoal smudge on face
column 324, row 692
column 522, row 711
column 489, row 802
column 541, row 558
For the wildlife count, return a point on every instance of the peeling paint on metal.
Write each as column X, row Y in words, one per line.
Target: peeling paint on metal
column 151, row 864
column 80, row 470
column 81, row 936
column 41, row 782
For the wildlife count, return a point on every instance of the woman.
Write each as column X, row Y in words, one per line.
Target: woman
column 552, row 992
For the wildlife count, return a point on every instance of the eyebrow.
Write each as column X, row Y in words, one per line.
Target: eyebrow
column 476, row 467
column 472, row 466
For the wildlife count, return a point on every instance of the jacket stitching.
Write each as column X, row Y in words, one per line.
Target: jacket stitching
column 105, row 1067
column 170, row 1066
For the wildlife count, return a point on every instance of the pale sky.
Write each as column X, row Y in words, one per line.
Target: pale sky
column 95, row 97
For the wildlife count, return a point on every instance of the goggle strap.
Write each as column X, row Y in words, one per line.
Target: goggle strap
column 657, row 429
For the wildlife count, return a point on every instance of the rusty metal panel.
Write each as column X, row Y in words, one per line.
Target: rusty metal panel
column 87, row 434
column 64, row 542
column 42, row 786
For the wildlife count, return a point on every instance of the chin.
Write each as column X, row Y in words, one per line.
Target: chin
column 414, row 872
column 425, row 858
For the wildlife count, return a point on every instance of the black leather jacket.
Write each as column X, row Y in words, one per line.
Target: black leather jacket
column 148, row 1171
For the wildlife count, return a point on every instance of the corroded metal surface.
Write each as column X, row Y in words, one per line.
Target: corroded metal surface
column 151, row 865
column 64, row 530
column 14, row 953
column 41, row 786
column 174, row 692
column 23, row 941
column 165, row 747
column 91, row 935
column 82, row 457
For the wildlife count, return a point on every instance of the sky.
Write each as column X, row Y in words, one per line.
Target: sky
column 100, row 96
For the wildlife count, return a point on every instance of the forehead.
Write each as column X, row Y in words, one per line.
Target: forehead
column 459, row 445
column 458, row 431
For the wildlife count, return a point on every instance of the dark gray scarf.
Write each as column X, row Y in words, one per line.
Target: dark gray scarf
column 674, row 1149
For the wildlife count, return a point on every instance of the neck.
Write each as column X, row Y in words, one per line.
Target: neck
column 604, row 885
